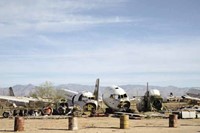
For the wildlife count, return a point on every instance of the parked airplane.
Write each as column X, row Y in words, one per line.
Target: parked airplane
column 192, row 95
column 88, row 101
column 116, row 99
column 16, row 101
column 152, row 100
column 24, row 103
column 172, row 98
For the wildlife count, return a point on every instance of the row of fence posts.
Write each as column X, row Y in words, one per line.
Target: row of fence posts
column 124, row 121
column 19, row 123
column 73, row 122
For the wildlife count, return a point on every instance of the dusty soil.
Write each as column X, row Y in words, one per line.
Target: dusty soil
column 102, row 125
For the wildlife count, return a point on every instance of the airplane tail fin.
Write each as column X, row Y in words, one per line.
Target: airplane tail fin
column 96, row 90
column 11, row 92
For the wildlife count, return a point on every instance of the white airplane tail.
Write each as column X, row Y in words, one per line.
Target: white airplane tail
column 96, row 90
column 11, row 92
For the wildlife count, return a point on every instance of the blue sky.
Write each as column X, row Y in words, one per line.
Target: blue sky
column 118, row 41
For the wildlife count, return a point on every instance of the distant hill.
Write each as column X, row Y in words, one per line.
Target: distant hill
column 132, row 90
column 139, row 90
column 19, row 90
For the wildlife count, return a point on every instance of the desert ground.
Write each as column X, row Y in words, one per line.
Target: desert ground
column 102, row 125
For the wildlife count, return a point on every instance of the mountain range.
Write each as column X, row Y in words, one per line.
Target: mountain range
column 132, row 90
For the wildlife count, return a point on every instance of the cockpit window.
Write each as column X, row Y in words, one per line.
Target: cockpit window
column 119, row 96
column 111, row 96
column 115, row 96
column 122, row 96
column 91, row 98
column 125, row 95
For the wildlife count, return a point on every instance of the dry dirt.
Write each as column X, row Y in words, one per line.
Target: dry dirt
column 102, row 125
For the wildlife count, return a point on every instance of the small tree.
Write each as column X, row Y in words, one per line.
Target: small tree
column 47, row 91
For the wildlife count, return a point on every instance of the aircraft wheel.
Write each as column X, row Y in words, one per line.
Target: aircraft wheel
column 109, row 111
column 61, row 110
column 15, row 112
column 6, row 114
column 47, row 111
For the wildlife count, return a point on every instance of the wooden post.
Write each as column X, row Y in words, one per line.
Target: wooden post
column 19, row 124
column 124, row 121
column 73, row 123
column 173, row 120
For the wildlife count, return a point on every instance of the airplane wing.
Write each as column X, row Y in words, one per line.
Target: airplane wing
column 190, row 98
column 69, row 94
column 14, row 99
column 17, row 101
column 131, row 115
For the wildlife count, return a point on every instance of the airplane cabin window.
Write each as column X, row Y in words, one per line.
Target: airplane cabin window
column 80, row 98
column 84, row 98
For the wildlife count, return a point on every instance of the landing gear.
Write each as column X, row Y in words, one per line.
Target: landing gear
column 109, row 111
column 77, row 111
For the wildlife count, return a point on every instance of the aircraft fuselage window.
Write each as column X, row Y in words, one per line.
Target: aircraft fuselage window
column 84, row 98
column 80, row 98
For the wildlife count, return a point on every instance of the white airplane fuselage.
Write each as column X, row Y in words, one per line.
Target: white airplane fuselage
column 80, row 98
column 116, row 98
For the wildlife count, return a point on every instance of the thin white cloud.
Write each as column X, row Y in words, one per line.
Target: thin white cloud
column 126, row 58
column 73, row 23
column 25, row 17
